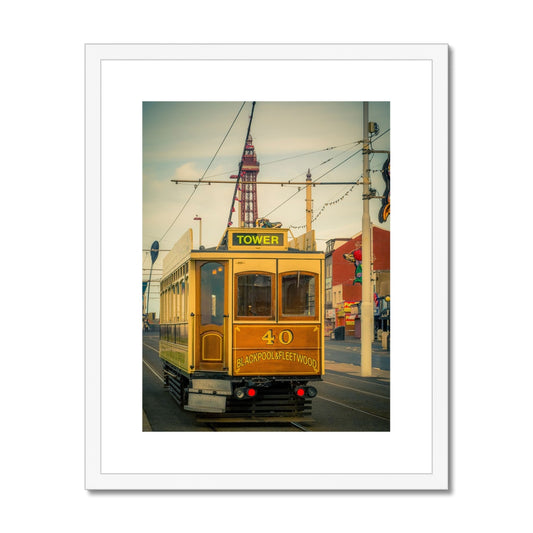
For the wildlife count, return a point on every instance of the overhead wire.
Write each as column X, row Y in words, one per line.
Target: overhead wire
column 234, row 170
column 314, row 181
column 237, row 181
column 309, row 153
column 304, row 173
column 321, row 176
column 205, row 172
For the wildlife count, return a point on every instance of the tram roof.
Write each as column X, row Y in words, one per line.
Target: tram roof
column 223, row 248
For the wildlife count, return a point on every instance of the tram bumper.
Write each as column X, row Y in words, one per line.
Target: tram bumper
column 257, row 396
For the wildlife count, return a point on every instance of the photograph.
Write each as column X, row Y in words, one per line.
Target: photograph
column 266, row 266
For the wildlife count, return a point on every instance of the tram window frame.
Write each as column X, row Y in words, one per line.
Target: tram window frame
column 208, row 305
column 272, row 277
column 288, row 317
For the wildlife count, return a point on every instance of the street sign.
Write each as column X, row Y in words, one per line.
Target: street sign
column 154, row 251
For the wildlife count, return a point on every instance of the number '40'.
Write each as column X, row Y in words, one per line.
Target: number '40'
column 286, row 336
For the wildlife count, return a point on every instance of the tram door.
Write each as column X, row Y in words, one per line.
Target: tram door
column 211, row 319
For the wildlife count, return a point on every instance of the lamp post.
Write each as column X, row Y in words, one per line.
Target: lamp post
column 200, row 220
column 154, row 252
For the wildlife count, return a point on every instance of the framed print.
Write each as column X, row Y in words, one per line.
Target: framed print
column 292, row 332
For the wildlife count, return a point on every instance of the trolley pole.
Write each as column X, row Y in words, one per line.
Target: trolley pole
column 367, row 315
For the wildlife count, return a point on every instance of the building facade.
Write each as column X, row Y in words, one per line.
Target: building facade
column 343, row 294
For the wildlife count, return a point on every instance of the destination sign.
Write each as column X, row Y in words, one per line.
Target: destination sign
column 271, row 239
column 258, row 239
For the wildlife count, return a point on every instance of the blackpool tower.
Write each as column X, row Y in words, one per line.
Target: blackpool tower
column 248, row 187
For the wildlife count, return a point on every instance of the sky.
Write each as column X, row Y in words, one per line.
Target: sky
column 180, row 140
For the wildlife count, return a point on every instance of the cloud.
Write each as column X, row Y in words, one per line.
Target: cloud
column 180, row 140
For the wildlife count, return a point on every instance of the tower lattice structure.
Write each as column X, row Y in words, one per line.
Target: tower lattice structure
column 248, row 190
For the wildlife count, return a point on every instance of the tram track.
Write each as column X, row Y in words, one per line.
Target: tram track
column 156, row 374
column 298, row 426
column 341, row 393
column 359, row 379
column 214, row 427
column 319, row 397
column 355, row 390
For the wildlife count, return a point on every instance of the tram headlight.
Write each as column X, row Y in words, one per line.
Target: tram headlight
column 311, row 392
column 240, row 393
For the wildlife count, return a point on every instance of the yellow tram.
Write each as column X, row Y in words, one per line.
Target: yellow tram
column 242, row 325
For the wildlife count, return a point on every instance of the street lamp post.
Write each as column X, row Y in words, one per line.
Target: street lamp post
column 200, row 220
column 154, row 252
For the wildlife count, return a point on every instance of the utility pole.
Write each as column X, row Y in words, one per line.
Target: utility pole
column 367, row 315
column 308, row 202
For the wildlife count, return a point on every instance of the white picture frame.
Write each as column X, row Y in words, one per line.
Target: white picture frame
column 414, row 78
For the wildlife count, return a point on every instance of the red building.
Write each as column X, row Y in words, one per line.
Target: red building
column 341, row 291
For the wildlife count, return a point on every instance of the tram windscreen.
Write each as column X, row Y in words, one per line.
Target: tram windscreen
column 298, row 294
column 254, row 295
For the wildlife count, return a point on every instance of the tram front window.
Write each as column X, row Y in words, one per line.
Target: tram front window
column 254, row 295
column 298, row 294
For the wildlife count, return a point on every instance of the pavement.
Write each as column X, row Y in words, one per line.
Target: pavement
column 345, row 356
column 356, row 343
column 355, row 370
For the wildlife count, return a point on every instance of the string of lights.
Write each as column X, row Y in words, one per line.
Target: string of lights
column 326, row 205
column 315, row 180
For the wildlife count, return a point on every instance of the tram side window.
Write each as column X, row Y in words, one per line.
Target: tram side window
column 298, row 294
column 212, row 293
column 254, row 295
